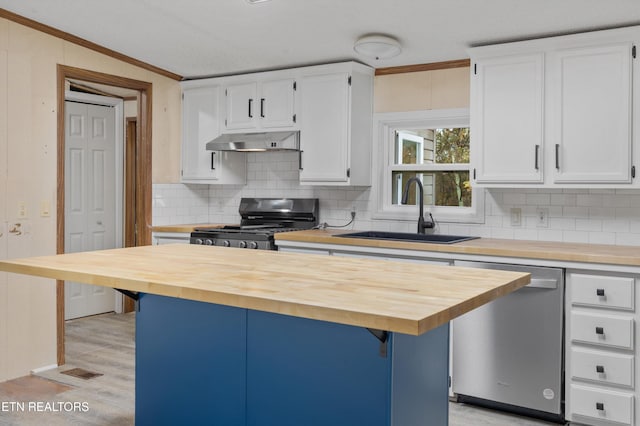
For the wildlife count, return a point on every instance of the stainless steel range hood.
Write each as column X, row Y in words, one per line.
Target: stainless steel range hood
column 264, row 141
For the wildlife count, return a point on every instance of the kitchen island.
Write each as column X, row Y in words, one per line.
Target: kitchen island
column 283, row 338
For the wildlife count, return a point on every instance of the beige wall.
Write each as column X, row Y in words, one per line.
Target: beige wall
column 28, row 123
column 422, row 90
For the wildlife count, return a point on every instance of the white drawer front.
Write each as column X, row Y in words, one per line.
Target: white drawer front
column 601, row 404
column 602, row 291
column 602, row 367
column 606, row 330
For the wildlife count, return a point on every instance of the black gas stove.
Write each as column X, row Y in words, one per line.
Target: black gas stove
column 261, row 219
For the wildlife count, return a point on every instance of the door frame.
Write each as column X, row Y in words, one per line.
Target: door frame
column 130, row 149
column 142, row 169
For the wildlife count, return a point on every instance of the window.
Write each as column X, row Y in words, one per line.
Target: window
column 433, row 146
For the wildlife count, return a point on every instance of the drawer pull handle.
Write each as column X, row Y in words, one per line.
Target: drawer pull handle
column 600, row 292
column 599, row 369
column 599, row 406
column 600, row 330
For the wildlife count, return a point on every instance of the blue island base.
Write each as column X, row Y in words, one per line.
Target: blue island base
column 202, row 363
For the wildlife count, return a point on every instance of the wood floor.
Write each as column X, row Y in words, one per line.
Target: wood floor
column 104, row 344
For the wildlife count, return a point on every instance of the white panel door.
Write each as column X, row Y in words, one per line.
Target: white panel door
column 90, row 198
column 507, row 119
column 324, row 135
column 277, row 103
column 591, row 114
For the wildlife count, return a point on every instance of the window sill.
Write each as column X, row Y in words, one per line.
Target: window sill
column 439, row 214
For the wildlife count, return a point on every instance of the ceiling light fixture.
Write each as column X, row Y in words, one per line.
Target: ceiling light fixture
column 256, row 1
column 378, row 46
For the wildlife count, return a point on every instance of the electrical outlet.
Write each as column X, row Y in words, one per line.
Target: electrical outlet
column 353, row 212
column 516, row 216
column 542, row 218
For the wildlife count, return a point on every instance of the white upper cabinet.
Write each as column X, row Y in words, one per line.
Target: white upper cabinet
column 324, row 155
column 240, row 100
column 507, row 124
column 261, row 104
column 590, row 124
column 277, row 103
column 556, row 112
column 200, row 124
column 336, row 104
column 330, row 105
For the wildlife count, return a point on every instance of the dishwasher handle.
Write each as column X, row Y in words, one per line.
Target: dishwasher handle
column 549, row 283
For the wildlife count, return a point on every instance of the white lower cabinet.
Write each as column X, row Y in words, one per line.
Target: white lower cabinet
column 170, row 238
column 601, row 335
column 394, row 258
column 602, row 367
column 601, row 406
column 303, row 250
column 602, row 329
column 336, row 250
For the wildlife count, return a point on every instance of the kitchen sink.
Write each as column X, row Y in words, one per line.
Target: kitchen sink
column 406, row 236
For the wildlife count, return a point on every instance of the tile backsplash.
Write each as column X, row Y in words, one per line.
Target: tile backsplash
column 602, row 216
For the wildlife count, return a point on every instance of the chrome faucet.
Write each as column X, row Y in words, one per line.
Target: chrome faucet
column 422, row 225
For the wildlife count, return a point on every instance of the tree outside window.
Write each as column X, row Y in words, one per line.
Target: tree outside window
column 440, row 159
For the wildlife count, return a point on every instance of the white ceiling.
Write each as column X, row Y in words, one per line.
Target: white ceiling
column 215, row 37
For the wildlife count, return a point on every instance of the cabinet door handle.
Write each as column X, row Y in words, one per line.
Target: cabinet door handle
column 599, row 369
column 262, row 107
column 600, row 291
column 557, row 156
column 300, row 160
column 213, row 164
column 599, row 406
column 250, row 108
column 600, row 330
column 537, row 166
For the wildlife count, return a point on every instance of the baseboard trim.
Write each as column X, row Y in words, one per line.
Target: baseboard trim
column 44, row 368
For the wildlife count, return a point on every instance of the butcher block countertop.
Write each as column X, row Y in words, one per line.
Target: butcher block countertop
column 544, row 250
column 400, row 297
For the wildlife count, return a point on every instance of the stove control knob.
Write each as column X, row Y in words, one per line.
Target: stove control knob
column 253, row 245
column 197, row 241
column 226, row 243
column 208, row 242
column 242, row 244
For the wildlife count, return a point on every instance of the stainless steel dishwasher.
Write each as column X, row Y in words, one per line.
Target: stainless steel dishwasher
column 508, row 354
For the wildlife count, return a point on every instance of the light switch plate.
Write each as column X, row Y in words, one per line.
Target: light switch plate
column 516, row 216
column 22, row 210
column 45, row 208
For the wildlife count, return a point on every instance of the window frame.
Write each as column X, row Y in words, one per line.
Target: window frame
column 385, row 127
